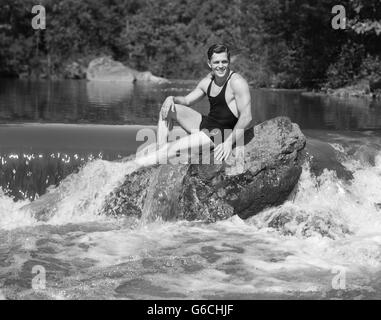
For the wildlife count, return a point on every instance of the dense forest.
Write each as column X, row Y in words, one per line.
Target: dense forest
column 278, row 43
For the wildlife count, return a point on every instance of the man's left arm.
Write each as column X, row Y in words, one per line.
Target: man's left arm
column 242, row 97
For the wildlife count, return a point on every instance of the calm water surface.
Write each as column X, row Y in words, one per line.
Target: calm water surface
column 83, row 102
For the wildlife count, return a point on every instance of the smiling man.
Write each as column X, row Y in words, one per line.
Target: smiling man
column 229, row 115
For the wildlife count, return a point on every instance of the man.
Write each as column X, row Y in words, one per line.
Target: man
column 230, row 109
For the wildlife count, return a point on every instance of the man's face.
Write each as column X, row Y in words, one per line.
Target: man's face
column 219, row 63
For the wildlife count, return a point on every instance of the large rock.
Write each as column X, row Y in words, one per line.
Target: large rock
column 271, row 169
column 106, row 69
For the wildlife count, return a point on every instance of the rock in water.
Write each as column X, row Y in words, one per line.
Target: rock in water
column 271, row 168
column 106, row 69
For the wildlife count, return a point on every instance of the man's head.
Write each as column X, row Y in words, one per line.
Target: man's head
column 219, row 60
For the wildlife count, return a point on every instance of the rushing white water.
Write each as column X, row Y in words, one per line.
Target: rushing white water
column 78, row 198
column 10, row 214
column 328, row 225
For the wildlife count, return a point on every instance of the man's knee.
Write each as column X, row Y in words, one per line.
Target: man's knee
column 181, row 112
column 172, row 114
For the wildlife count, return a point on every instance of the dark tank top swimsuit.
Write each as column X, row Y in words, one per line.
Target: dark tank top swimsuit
column 220, row 116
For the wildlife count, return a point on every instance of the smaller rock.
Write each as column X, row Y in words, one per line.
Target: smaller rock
column 300, row 223
column 107, row 69
column 359, row 89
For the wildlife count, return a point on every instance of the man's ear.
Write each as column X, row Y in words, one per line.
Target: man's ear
column 209, row 64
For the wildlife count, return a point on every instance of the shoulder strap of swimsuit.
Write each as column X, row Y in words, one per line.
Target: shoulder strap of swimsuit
column 210, row 85
column 229, row 78
column 226, row 82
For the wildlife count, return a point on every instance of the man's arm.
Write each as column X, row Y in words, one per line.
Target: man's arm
column 193, row 97
column 242, row 97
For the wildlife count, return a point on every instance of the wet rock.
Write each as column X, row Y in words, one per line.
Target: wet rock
column 270, row 169
column 106, row 69
column 300, row 223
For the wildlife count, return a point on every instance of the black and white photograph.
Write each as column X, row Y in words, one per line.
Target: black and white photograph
column 190, row 150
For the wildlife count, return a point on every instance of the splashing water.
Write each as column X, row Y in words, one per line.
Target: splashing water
column 10, row 214
column 78, row 198
column 288, row 251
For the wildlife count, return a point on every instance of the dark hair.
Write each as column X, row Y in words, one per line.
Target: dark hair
column 218, row 48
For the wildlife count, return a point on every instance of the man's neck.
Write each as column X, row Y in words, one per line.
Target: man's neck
column 221, row 81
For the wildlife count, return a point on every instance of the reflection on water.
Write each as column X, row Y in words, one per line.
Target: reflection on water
column 317, row 111
column 106, row 93
column 76, row 102
column 79, row 101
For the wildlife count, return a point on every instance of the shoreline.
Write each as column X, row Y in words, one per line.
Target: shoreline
column 357, row 91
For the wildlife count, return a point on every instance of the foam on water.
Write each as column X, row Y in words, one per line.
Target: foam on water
column 78, row 198
column 83, row 194
column 327, row 224
column 339, row 222
column 10, row 215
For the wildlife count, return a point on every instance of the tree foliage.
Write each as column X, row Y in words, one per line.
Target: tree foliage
column 281, row 43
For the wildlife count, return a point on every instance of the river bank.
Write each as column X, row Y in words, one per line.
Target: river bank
column 106, row 69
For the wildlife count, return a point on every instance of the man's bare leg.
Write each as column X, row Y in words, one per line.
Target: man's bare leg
column 163, row 129
column 186, row 117
column 170, row 150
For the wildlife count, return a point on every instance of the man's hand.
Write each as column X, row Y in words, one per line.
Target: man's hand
column 169, row 104
column 223, row 151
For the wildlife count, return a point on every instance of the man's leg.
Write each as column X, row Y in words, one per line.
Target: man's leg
column 188, row 119
column 189, row 143
column 163, row 128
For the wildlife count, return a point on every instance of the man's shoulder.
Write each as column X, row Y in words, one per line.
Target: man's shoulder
column 236, row 77
column 238, row 80
column 204, row 82
column 208, row 77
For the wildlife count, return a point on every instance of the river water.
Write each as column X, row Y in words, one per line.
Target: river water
column 65, row 137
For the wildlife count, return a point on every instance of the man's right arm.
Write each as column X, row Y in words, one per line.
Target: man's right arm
column 193, row 97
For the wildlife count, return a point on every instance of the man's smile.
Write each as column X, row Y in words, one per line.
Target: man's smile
column 221, row 71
